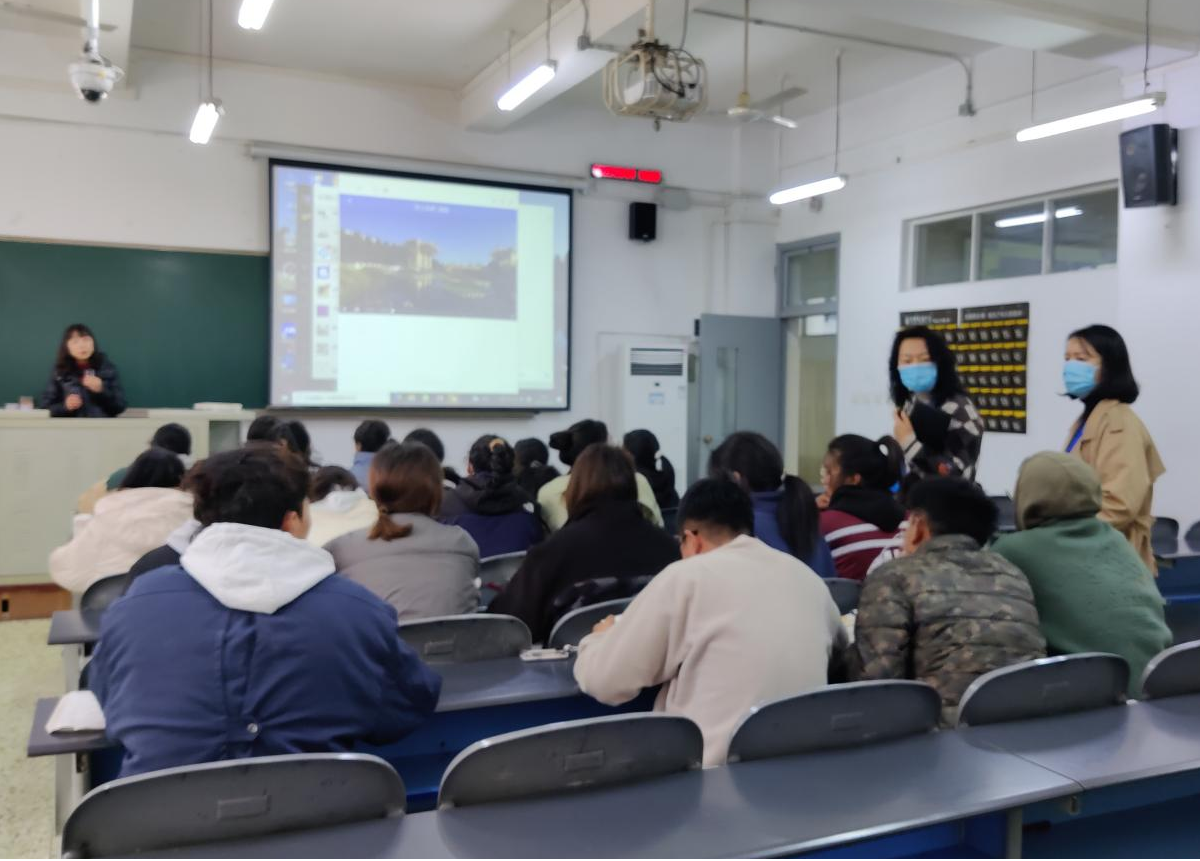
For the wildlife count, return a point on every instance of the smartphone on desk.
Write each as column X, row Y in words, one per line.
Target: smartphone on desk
column 545, row 654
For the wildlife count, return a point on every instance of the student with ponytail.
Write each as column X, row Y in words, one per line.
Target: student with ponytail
column 861, row 516
column 421, row 567
column 489, row 504
column 785, row 511
column 652, row 464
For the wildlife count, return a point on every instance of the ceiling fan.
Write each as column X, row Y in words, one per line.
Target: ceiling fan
column 762, row 110
column 28, row 10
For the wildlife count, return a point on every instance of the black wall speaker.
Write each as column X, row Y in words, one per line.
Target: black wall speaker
column 643, row 221
column 1148, row 165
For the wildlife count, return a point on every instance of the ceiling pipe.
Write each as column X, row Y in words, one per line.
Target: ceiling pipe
column 966, row 109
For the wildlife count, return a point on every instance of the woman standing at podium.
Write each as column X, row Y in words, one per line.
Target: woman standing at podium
column 85, row 383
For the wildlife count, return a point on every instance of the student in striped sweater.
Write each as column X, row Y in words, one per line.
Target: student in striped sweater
column 860, row 517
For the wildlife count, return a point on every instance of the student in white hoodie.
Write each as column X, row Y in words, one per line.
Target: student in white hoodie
column 252, row 646
column 338, row 504
column 734, row 624
column 147, row 507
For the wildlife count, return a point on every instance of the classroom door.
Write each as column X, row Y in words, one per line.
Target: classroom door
column 741, row 380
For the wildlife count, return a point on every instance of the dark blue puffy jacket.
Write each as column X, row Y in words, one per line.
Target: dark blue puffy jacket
column 497, row 513
column 184, row 679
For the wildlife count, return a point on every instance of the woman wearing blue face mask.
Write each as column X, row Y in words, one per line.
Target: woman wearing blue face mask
column 1109, row 436
column 936, row 423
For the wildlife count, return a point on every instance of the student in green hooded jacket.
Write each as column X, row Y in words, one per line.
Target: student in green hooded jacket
column 1093, row 592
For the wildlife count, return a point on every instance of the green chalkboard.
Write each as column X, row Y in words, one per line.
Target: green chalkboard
column 181, row 326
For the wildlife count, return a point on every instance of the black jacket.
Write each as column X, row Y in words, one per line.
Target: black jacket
column 609, row 551
column 108, row 402
column 877, row 507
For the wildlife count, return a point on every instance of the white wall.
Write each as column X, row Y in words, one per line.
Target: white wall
column 124, row 172
column 908, row 156
column 931, row 161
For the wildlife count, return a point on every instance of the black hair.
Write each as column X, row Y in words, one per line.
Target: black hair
column 293, row 434
column 155, row 467
column 492, row 454
column 428, row 439
column 173, row 437
column 257, row 485
column 529, row 453
column 327, row 479
column 758, row 463
column 1115, row 381
column 530, row 465
column 954, row 506
column 433, row 442
column 371, row 435
column 879, row 464
column 64, row 362
column 571, row 442
column 947, row 385
column 719, row 502
column 261, row 428
column 650, row 462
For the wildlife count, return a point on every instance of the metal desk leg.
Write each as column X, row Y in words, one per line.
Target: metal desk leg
column 72, row 661
column 72, row 777
column 1013, row 834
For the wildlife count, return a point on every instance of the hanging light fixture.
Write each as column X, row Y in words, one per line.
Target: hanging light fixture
column 1144, row 104
column 833, row 183
column 210, row 110
column 532, row 82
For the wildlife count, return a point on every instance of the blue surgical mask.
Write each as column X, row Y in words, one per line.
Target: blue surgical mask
column 1079, row 377
column 919, row 378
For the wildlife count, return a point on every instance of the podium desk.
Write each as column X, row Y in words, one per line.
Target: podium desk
column 47, row 463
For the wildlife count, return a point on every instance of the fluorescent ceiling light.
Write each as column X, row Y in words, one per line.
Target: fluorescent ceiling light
column 1144, row 105
column 527, row 86
column 205, row 122
column 810, row 189
column 1038, row 217
column 253, row 14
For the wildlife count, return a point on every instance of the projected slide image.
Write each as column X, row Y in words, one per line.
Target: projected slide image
column 427, row 259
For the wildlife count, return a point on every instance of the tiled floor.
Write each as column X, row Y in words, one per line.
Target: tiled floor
column 28, row 669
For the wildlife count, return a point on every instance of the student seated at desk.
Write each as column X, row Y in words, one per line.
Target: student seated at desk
column 433, row 442
column 785, row 510
column 860, row 517
column 249, row 647
column 171, row 436
column 369, row 437
column 490, row 505
column 338, row 505
column 606, row 550
column 570, row 444
column 421, row 567
column 734, row 624
column 147, row 508
column 1093, row 591
column 947, row 611
column 530, row 459
column 292, row 435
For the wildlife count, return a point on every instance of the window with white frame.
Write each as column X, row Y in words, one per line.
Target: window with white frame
column 1058, row 232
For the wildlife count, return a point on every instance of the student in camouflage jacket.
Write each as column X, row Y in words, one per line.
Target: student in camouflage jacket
column 947, row 611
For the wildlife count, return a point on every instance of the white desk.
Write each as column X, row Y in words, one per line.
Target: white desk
column 47, row 463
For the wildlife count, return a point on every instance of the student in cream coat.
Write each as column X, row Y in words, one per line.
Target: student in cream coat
column 732, row 625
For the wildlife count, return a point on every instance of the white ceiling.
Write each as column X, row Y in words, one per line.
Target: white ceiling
column 435, row 43
column 447, row 43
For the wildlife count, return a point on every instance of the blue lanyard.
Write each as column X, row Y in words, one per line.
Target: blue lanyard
column 1075, row 439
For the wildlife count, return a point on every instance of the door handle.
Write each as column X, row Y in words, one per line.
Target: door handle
column 708, row 440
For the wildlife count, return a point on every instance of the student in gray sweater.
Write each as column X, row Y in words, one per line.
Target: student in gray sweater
column 421, row 567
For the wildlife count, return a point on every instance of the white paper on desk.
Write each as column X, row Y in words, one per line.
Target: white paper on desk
column 77, row 711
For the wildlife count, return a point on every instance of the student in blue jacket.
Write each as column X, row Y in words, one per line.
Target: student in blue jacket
column 251, row 646
column 785, row 510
